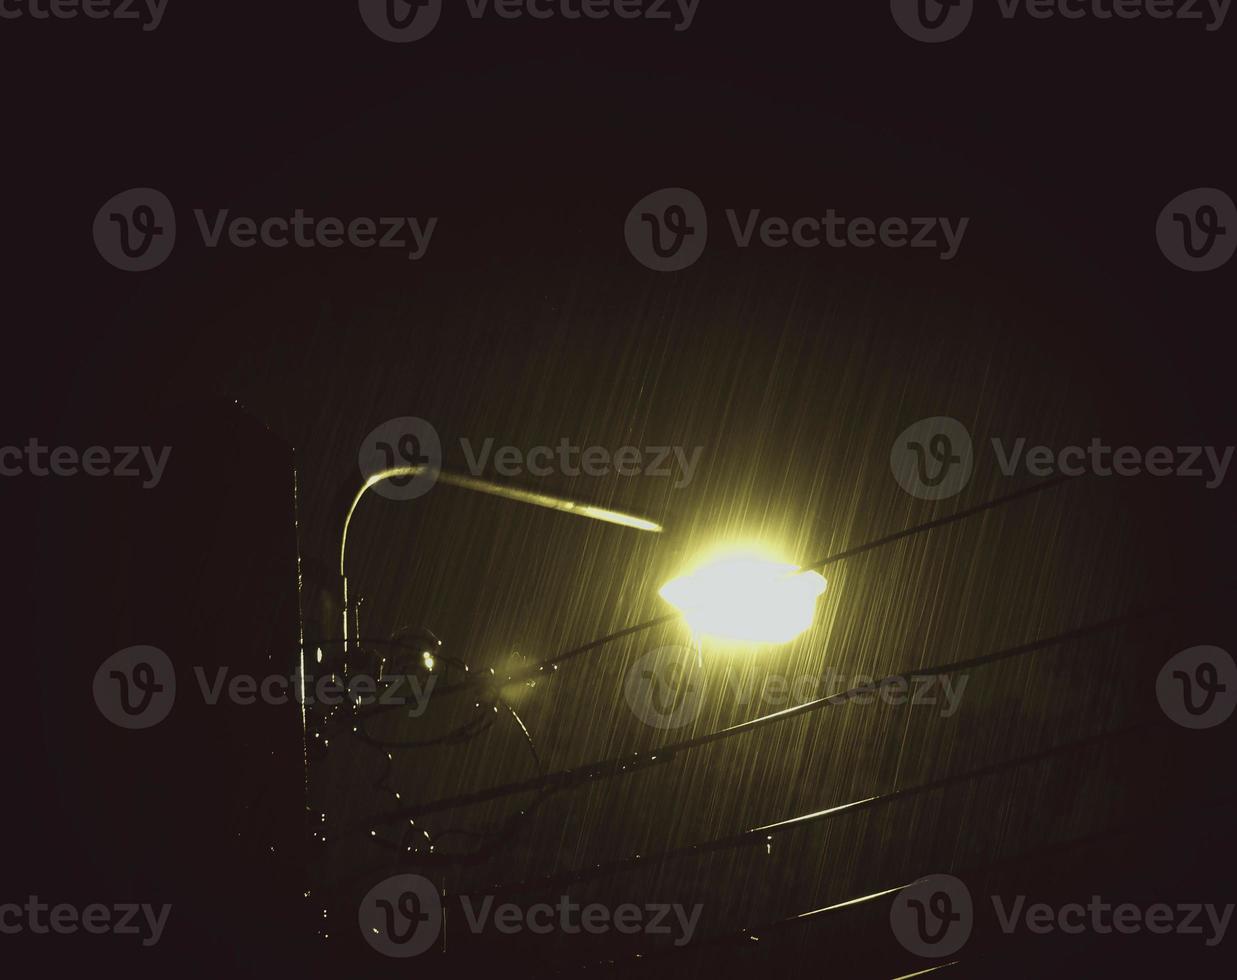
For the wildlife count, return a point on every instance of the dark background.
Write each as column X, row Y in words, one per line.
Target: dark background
column 529, row 321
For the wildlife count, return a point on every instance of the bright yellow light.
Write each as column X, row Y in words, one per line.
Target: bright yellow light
column 746, row 595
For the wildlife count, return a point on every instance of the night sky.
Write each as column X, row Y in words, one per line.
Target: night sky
column 764, row 389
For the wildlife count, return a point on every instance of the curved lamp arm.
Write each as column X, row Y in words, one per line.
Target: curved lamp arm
column 560, row 504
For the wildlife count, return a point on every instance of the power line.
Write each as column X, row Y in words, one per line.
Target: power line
column 553, row 663
column 759, row 836
column 1147, row 818
column 622, row 765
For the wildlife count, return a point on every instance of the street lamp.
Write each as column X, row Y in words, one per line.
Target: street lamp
column 745, row 594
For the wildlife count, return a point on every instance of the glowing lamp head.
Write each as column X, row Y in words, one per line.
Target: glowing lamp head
column 746, row 596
